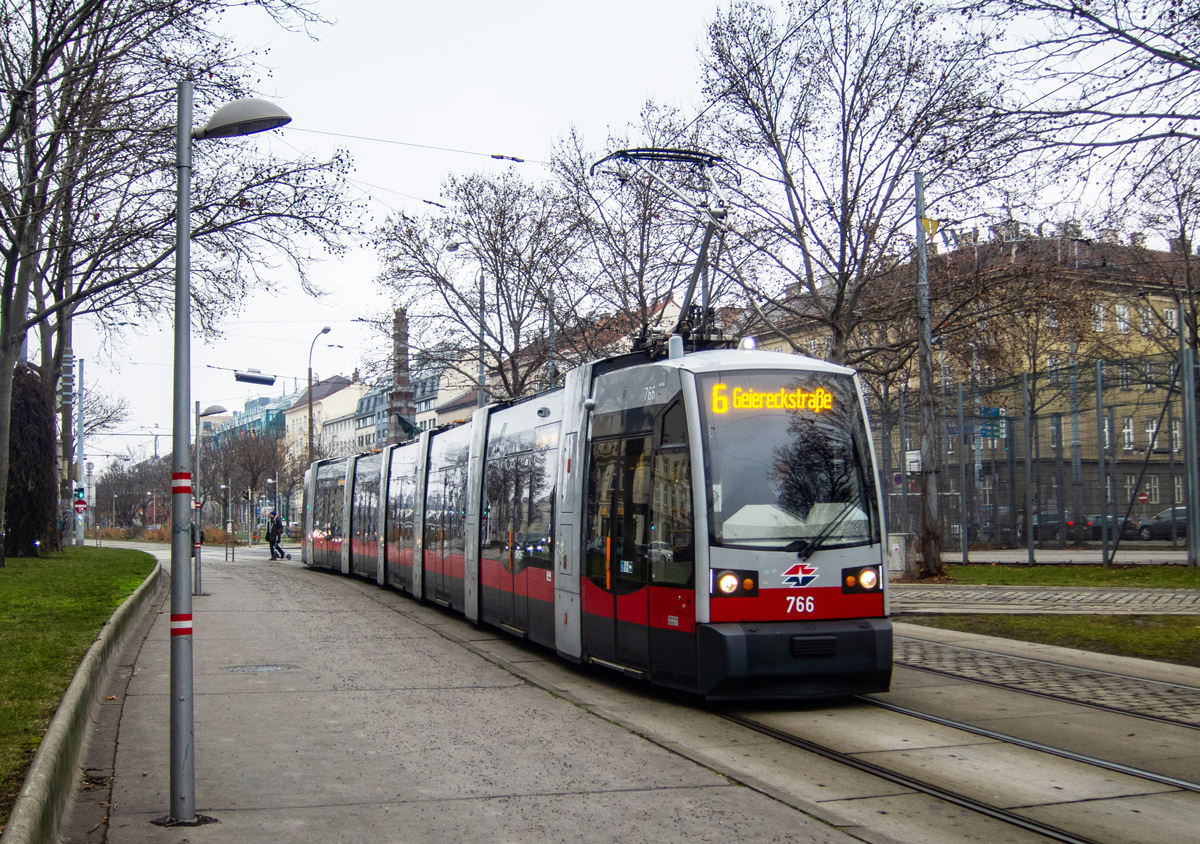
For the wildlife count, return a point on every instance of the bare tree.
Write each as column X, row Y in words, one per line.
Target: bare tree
column 86, row 157
column 638, row 239
column 831, row 108
column 1104, row 75
column 477, row 277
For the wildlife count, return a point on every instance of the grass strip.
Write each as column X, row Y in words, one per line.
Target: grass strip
column 51, row 609
column 1131, row 576
column 1165, row 638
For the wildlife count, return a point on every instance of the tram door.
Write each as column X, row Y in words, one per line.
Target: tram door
column 616, row 602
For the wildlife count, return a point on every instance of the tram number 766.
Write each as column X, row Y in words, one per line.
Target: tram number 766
column 801, row 603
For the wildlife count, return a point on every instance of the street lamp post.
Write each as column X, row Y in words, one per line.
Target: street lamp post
column 312, row 346
column 243, row 117
column 228, row 525
column 211, row 410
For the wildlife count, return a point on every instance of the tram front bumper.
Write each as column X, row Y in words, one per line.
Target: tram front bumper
column 794, row 660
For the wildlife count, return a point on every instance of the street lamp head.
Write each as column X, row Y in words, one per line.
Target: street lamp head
column 326, row 330
column 243, row 117
column 213, row 410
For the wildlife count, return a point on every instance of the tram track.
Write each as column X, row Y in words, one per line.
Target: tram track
column 908, row 781
column 1117, row 767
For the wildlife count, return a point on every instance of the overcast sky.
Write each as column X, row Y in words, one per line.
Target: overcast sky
column 440, row 86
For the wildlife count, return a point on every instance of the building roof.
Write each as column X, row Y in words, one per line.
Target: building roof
column 322, row 389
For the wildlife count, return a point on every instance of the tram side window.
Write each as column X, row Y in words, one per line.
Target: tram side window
column 602, row 500
column 671, row 552
column 539, row 514
column 327, row 511
column 497, row 518
column 456, row 507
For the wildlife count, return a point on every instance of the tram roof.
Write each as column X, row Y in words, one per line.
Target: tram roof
column 721, row 359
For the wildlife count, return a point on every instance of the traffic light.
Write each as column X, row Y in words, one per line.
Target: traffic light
column 79, row 492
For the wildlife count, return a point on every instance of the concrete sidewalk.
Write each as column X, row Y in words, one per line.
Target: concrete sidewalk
column 327, row 709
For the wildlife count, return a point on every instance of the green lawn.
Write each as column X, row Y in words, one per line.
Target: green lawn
column 51, row 609
column 1167, row 638
column 1166, row 577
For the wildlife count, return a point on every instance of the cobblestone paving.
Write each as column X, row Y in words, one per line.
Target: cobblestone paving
column 1180, row 704
column 1037, row 599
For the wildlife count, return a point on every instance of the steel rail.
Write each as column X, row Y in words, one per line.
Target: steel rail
column 960, row 800
column 1116, row 767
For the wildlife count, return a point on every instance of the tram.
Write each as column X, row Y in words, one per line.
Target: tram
column 708, row 521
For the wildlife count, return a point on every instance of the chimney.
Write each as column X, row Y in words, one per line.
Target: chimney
column 400, row 399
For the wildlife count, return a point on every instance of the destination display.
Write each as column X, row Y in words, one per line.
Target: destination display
column 726, row 398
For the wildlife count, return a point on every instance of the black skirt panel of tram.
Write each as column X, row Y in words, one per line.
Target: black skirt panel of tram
column 785, row 660
column 673, row 658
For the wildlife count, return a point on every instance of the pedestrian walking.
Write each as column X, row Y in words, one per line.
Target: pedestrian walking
column 274, row 534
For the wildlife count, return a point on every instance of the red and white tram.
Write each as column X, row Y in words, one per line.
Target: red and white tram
column 708, row 521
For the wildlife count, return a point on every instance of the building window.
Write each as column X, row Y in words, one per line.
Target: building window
column 1056, row 432
column 1052, row 364
column 1177, row 487
column 1152, row 492
column 1130, row 487
column 1098, row 318
column 1151, row 431
column 1127, row 435
column 1147, row 319
column 1176, row 436
column 1170, row 319
column 1151, row 373
column 1125, row 375
column 1122, row 319
column 812, row 347
column 1107, row 435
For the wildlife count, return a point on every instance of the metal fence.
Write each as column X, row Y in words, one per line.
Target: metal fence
column 1034, row 455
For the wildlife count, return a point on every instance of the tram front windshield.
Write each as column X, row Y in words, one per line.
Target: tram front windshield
column 788, row 460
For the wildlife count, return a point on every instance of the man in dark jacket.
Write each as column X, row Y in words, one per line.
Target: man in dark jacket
column 274, row 534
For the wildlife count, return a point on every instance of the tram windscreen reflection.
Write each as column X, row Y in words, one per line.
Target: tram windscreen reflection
column 787, row 460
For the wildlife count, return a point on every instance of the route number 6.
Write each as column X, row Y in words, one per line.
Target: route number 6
column 801, row 604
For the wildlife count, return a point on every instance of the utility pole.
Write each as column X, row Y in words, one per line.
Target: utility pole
column 930, row 541
column 78, row 473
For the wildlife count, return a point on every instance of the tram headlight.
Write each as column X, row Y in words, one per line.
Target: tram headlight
column 862, row 579
column 733, row 583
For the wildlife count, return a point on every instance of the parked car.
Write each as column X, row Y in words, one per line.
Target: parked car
column 1117, row 526
column 661, row 552
column 1159, row 527
column 1046, row 527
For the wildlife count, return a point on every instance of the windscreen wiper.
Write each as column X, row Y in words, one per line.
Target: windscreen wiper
column 805, row 548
